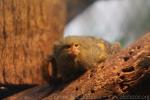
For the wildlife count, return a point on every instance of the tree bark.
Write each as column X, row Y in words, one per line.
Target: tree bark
column 28, row 29
column 125, row 73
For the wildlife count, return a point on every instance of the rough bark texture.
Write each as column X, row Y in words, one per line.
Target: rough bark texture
column 127, row 72
column 28, row 29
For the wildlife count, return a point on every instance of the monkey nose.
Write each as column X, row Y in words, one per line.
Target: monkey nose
column 74, row 51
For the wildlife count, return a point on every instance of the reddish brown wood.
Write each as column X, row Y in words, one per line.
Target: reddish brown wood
column 28, row 29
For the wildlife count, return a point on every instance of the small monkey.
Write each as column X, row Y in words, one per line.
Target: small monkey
column 73, row 55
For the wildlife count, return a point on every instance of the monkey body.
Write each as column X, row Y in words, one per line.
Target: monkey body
column 73, row 55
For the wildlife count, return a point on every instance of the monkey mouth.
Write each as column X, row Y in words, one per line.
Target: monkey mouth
column 73, row 54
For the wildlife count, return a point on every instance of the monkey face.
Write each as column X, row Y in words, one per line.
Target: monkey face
column 66, row 56
column 67, row 49
column 72, row 50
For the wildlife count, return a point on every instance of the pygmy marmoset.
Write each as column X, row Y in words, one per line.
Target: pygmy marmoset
column 73, row 55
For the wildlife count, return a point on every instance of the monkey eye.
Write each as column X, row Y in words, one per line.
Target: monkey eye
column 67, row 46
column 76, row 45
column 70, row 46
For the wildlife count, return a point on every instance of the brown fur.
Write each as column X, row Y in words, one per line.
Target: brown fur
column 66, row 67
